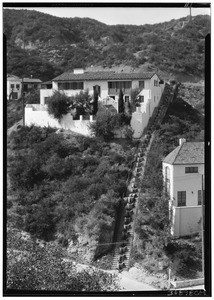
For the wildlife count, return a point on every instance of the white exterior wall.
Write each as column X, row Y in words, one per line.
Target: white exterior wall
column 185, row 219
column 139, row 121
column 45, row 93
column 15, row 90
column 189, row 182
column 156, row 92
column 103, row 87
column 42, row 118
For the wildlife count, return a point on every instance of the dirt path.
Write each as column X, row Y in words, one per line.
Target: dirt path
column 128, row 283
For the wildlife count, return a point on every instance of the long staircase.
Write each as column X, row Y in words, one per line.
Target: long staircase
column 125, row 230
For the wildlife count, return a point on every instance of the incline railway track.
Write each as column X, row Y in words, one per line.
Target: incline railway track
column 124, row 231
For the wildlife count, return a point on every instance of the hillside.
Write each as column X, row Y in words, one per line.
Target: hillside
column 44, row 46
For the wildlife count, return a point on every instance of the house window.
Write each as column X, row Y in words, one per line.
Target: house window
column 60, row 87
column 113, row 97
column 191, row 170
column 12, row 86
column 141, row 84
column 155, row 82
column 17, row 86
column 124, row 85
column 127, row 99
column 141, row 99
column 14, row 96
column 199, row 197
column 182, row 198
column 70, row 85
column 46, row 99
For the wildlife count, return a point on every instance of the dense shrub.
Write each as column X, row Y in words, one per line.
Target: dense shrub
column 42, row 268
column 33, row 97
column 58, row 179
column 58, row 105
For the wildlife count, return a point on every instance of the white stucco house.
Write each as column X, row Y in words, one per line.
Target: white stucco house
column 108, row 86
column 183, row 173
column 14, row 87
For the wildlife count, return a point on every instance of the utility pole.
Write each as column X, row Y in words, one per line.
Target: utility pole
column 202, row 222
column 190, row 13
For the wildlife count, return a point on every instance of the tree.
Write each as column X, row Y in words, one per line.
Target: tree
column 104, row 125
column 33, row 97
column 121, row 106
column 134, row 101
column 95, row 103
column 82, row 103
column 58, row 105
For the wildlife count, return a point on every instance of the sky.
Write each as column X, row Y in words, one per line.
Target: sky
column 122, row 15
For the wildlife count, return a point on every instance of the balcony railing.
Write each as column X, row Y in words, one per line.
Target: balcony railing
column 117, row 91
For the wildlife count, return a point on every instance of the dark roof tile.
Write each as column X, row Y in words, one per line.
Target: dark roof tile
column 87, row 76
column 187, row 153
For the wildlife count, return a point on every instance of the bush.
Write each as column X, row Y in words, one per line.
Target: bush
column 82, row 102
column 43, row 269
column 58, row 105
column 33, row 97
column 104, row 125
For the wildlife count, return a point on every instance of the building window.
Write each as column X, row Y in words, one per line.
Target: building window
column 14, row 96
column 154, row 98
column 126, row 99
column 46, row 99
column 155, row 82
column 117, row 85
column 141, row 84
column 17, row 86
column 76, row 85
column 12, row 86
column 182, row 198
column 199, row 197
column 191, row 170
column 141, row 99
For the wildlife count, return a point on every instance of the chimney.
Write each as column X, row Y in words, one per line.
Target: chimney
column 181, row 141
column 78, row 71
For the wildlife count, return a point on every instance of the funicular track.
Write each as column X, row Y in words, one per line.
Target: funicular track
column 126, row 223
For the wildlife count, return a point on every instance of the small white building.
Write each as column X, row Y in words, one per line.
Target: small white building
column 14, row 87
column 183, row 173
column 108, row 86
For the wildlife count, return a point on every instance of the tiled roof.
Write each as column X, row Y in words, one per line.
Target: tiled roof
column 29, row 80
column 13, row 77
column 47, row 82
column 187, row 153
column 87, row 76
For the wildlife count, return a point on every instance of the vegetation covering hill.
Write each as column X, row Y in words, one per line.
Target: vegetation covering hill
column 44, row 46
column 66, row 191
